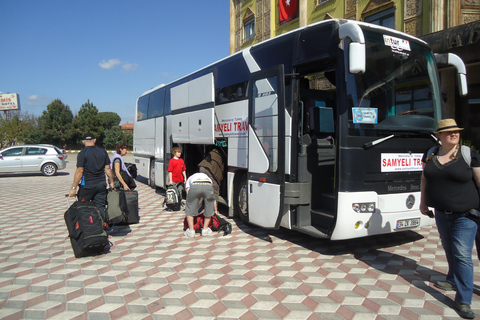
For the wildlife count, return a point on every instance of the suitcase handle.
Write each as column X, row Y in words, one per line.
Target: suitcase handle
column 68, row 202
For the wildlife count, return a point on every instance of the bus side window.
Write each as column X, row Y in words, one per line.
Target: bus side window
column 156, row 103
column 142, row 110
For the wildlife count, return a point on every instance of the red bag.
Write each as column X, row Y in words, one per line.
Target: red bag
column 199, row 220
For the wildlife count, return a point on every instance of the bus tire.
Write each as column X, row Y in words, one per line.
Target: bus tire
column 241, row 198
column 151, row 175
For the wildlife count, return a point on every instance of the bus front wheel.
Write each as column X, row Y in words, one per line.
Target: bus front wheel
column 241, row 198
column 151, row 178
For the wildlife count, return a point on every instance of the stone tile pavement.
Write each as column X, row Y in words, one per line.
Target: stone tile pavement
column 152, row 271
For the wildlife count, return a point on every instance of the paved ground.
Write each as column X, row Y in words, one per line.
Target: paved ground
column 152, row 271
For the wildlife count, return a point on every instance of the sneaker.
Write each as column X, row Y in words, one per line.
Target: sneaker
column 444, row 285
column 189, row 233
column 207, row 232
column 464, row 311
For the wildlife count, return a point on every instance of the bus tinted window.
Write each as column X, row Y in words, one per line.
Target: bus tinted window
column 156, row 103
column 142, row 109
column 274, row 54
column 231, row 71
column 395, row 92
column 312, row 44
column 234, row 92
column 168, row 105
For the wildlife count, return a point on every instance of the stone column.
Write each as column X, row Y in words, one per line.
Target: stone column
column 303, row 12
column 437, row 14
column 453, row 13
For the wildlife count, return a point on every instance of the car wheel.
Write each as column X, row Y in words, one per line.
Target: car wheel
column 49, row 169
column 151, row 180
column 241, row 198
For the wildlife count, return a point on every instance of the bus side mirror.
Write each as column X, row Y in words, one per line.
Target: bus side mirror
column 356, row 58
column 454, row 60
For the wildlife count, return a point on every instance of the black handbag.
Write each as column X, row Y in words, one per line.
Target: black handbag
column 128, row 180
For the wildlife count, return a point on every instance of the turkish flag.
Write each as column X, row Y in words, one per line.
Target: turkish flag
column 288, row 9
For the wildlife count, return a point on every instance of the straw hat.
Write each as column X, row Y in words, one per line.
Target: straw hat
column 447, row 125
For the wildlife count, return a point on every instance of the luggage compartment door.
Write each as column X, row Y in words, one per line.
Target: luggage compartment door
column 266, row 148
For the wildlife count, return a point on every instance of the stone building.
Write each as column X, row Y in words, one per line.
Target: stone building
column 449, row 26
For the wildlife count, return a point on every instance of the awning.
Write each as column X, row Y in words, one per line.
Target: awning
column 462, row 40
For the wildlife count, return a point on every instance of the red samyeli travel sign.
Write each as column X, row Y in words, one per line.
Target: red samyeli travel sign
column 394, row 162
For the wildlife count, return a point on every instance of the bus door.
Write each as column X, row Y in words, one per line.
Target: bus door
column 266, row 147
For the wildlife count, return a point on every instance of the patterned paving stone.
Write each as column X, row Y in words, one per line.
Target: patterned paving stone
column 153, row 272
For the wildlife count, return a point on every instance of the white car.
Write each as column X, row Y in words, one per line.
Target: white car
column 64, row 152
column 32, row 158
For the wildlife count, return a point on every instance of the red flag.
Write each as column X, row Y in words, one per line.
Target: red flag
column 288, row 9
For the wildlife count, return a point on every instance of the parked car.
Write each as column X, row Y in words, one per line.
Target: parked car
column 64, row 152
column 32, row 158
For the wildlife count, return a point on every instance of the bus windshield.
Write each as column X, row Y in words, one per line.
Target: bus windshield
column 399, row 90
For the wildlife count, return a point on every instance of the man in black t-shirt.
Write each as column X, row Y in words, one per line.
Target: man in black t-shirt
column 92, row 165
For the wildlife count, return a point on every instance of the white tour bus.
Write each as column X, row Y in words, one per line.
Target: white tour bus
column 324, row 128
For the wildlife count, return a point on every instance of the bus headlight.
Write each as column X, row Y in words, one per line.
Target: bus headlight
column 365, row 207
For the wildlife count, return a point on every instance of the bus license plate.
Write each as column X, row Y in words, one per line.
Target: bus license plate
column 408, row 223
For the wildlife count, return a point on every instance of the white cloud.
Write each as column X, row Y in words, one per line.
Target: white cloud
column 113, row 63
column 35, row 99
column 109, row 64
column 129, row 66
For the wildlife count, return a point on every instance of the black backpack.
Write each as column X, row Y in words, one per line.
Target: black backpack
column 172, row 196
column 220, row 224
column 132, row 169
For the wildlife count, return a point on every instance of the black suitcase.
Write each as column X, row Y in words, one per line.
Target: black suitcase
column 85, row 228
column 130, row 206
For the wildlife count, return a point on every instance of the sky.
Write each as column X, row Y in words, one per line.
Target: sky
column 107, row 52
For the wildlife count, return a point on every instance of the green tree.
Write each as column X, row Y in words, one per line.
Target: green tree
column 128, row 138
column 87, row 120
column 113, row 137
column 55, row 125
column 109, row 120
column 14, row 127
column 35, row 136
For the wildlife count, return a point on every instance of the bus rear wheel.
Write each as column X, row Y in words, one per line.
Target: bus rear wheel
column 151, row 178
column 241, row 198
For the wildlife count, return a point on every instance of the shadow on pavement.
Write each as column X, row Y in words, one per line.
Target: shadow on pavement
column 32, row 174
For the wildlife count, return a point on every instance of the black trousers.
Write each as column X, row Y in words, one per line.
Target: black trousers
column 97, row 194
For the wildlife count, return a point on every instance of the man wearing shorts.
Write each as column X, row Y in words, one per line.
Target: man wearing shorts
column 198, row 186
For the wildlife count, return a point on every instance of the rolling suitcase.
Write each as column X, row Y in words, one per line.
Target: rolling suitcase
column 85, row 228
column 114, row 212
column 130, row 206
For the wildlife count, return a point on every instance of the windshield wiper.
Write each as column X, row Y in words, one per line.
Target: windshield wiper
column 370, row 144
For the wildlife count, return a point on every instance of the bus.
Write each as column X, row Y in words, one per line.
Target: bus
column 323, row 128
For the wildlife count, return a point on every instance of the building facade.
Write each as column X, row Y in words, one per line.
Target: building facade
column 447, row 25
